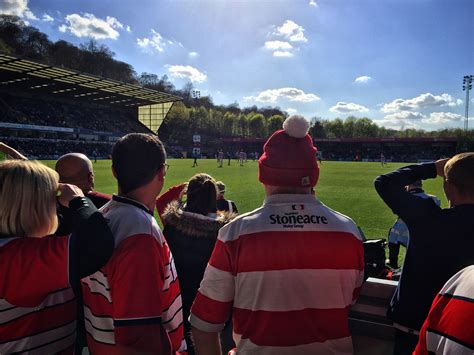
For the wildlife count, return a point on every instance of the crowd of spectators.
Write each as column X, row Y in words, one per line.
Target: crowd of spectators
column 54, row 148
column 16, row 109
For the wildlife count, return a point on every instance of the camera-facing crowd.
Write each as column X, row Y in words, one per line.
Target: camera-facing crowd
column 80, row 268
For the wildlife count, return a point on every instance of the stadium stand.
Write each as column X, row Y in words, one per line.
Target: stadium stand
column 47, row 111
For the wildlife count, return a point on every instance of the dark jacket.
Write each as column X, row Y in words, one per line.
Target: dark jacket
column 441, row 243
column 191, row 238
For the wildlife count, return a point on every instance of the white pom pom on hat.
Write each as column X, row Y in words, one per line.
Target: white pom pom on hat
column 296, row 126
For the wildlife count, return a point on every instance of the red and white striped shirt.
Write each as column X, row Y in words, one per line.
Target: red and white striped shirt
column 137, row 288
column 37, row 306
column 449, row 327
column 288, row 273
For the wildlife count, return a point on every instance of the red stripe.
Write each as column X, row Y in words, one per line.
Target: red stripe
column 97, row 302
column 290, row 250
column 291, row 328
column 209, row 310
column 46, row 319
column 453, row 317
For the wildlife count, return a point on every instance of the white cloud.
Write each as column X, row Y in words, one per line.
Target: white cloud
column 404, row 115
column 291, row 31
column 291, row 94
column 345, row 107
column 422, row 101
column 282, row 54
column 275, row 45
column 128, row 29
column 88, row 25
column 313, row 3
column 291, row 111
column 187, row 72
column 47, row 18
column 156, row 42
column 363, row 79
column 443, row 117
column 16, row 8
column 398, row 124
column 193, row 54
column 279, row 48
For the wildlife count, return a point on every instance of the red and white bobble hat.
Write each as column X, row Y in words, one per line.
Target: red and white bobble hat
column 289, row 157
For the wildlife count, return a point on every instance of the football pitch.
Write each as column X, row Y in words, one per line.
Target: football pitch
column 346, row 187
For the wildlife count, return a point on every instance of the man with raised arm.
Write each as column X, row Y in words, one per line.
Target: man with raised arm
column 133, row 304
column 441, row 240
column 286, row 272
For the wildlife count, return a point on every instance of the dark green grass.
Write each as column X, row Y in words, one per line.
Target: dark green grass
column 346, row 187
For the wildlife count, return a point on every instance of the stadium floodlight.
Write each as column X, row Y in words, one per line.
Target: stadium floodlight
column 467, row 86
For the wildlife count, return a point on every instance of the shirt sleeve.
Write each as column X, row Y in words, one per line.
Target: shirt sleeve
column 213, row 304
column 391, row 188
column 31, row 268
column 170, row 195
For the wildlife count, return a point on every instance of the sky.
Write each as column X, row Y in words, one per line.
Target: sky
column 399, row 62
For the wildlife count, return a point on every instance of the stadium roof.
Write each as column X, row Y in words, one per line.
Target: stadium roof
column 26, row 75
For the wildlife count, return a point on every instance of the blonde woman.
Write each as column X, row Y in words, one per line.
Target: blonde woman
column 39, row 272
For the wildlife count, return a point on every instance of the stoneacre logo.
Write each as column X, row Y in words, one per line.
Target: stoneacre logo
column 296, row 220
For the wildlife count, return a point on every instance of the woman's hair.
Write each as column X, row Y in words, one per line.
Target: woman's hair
column 27, row 199
column 201, row 194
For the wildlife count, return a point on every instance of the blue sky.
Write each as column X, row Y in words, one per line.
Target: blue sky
column 398, row 62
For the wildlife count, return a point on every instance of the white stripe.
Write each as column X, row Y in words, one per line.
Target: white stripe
column 52, row 299
column 170, row 274
column 218, row 285
column 100, row 336
column 175, row 306
column 200, row 324
column 291, row 290
column 43, row 338
column 259, row 220
column 103, row 323
column 442, row 345
column 342, row 346
column 96, row 287
column 460, row 285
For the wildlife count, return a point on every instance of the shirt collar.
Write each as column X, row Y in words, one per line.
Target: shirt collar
column 290, row 198
column 129, row 201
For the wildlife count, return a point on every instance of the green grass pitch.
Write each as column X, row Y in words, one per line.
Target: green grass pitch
column 346, row 187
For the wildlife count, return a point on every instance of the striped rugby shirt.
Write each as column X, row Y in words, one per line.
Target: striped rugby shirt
column 37, row 306
column 449, row 328
column 138, row 287
column 288, row 273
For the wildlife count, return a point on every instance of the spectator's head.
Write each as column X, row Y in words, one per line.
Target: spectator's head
column 220, row 186
column 201, row 194
column 27, row 199
column 138, row 160
column 459, row 178
column 288, row 163
column 76, row 169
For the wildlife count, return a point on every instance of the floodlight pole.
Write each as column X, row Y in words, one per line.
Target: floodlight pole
column 467, row 86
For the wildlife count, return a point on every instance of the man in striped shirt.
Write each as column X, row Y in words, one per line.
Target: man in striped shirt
column 286, row 272
column 133, row 304
column 449, row 328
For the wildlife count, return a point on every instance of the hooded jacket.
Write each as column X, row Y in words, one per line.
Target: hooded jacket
column 191, row 238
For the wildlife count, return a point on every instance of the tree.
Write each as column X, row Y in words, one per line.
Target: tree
column 275, row 123
column 256, row 125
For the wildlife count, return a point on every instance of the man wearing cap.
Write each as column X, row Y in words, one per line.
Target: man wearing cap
column 286, row 272
column 222, row 204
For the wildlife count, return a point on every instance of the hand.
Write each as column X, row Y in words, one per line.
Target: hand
column 440, row 167
column 184, row 190
column 67, row 193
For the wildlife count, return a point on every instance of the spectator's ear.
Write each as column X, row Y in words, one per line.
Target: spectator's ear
column 90, row 178
column 113, row 172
